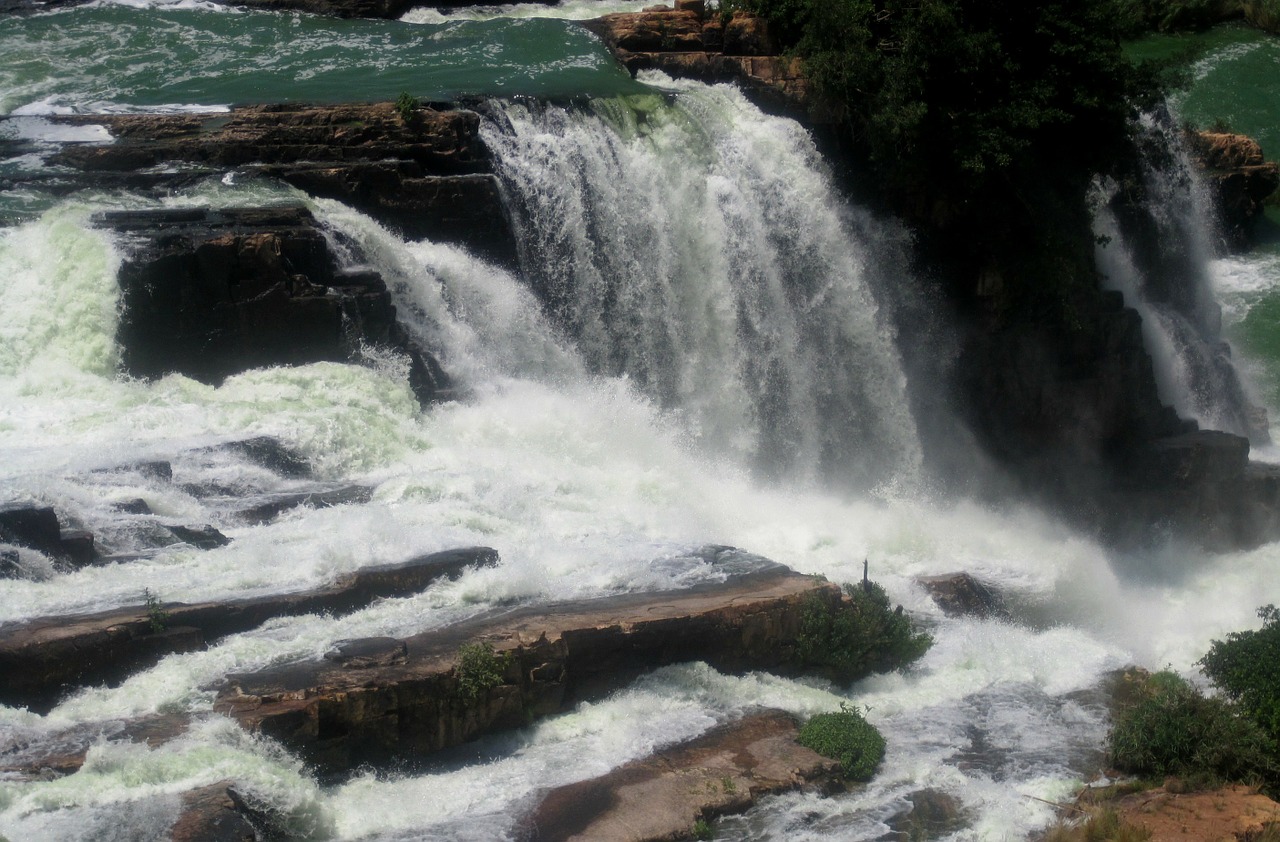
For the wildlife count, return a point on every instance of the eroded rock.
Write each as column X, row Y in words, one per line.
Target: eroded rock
column 1239, row 176
column 961, row 595
column 661, row 797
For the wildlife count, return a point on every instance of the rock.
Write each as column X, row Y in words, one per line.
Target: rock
column 542, row 659
column 272, row 508
column 741, row 51
column 368, row 652
column 10, row 566
column 1193, row 459
column 270, row 453
column 1239, row 177
column 43, row 657
column 698, row 7
column 961, row 595
column 136, row 506
column 36, row 528
column 429, row 175
column 933, row 815
column 1230, row 813
column 209, row 294
column 661, row 797
column 64, row 753
column 212, row 814
column 201, row 537
column 747, row 34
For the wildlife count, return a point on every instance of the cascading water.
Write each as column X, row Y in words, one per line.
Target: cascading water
column 700, row 250
column 606, row 427
column 1158, row 252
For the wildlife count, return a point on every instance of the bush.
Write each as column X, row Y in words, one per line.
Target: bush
column 848, row 737
column 858, row 637
column 1246, row 667
column 1103, row 825
column 406, row 104
column 1174, row 729
column 479, row 670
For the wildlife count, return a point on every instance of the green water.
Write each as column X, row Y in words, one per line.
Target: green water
column 106, row 57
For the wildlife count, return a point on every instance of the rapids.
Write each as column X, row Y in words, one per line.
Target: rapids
column 741, row 387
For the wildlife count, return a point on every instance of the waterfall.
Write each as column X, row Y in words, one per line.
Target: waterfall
column 696, row 247
column 1155, row 246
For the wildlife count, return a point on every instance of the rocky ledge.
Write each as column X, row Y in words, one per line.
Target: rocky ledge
column 688, row 43
column 211, row 293
column 385, row 699
column 423, row 170
column 1239, row 177
column 43, row 658
column 662, row 797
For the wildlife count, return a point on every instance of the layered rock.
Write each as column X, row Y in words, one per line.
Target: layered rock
column 687, row 44
column 422, row 170
column 1239, row 176
column 43, row 658
column 406, row 699
column 37, row 528
column 209, row 294
column 661, row 797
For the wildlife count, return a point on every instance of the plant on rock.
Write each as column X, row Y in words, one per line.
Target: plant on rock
column 848, row 737
column 479, row 670
column 858, row 636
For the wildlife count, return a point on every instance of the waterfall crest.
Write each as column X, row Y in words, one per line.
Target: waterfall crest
column 698, row 248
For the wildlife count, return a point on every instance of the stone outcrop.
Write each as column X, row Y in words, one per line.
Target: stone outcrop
column 213, row 814
column 43, row 658
column 210, row 293
column 63, row 753
column 690, row 45
column 1239, row 176
column 37, row 528
column 406, row 699
column 661, row 797
column 422, row 170
column 961, row 595
column 1230, row 813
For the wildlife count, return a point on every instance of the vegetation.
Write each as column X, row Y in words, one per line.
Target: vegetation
column 479, row 670
column 1104, row 825
column 157, row 617
column 848, row 737
column 406, row 104
column 1174, row 729
column 1246, row 667
column 858, row 637
column 702, row 830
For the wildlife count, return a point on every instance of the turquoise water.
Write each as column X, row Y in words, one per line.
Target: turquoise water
column 120, row 57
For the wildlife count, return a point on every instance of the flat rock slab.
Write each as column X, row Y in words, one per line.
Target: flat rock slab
column 661, row 797
column 338, row 713
column 41, row 658
column 64, row 753
column 1229, row 814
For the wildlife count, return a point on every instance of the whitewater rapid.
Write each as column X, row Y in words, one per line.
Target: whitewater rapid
column 589, row 480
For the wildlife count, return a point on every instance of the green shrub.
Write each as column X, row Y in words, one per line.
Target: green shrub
column 848, row 737
column 157, row 617
column 1246, row 667
column 479, row 670
column 1174, row 729
column 702, row 830
column 858, row 637
column 406, row 104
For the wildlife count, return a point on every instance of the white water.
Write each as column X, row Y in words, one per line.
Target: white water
column 586, row 486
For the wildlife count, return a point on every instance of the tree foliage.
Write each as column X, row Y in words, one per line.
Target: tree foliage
column 860, row 635
column 1246, row 667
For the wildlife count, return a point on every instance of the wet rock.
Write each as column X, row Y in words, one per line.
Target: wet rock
column 209, row 294
column 42, row 658
column 1239, row 177
column 269, row 510
column 723, row 772
column 201, row 537
column 63, row 753
column 932, row 815
column 529, row 663
column 37, row 528
column 10, row 566
column 212, row 814
column 368, row 652
column 270, row 453
column 961, row 595
column 136, row 506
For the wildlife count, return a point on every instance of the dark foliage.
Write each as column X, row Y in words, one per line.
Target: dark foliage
column 848, row 737
column 860, row 636
column 1246, row 667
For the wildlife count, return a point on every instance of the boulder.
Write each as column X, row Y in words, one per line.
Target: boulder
column 271, row 508
column 661, row 797
column 210, row 293
column 63, row 753
column 961, row 595
column 42, row 658
column 933, row 814
column 747, row 34
column 37, row 528
column 212, row 814
column 503, row 669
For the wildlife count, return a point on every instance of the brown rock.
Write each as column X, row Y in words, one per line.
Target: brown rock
column 211, row 814
column 549, row 657
column 1229, row 814
column 747, row 34
column 666, row 31
column 64, row 753
column 41, row 658
column 1239, row 176
column 960, row 595
column 661, row 797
